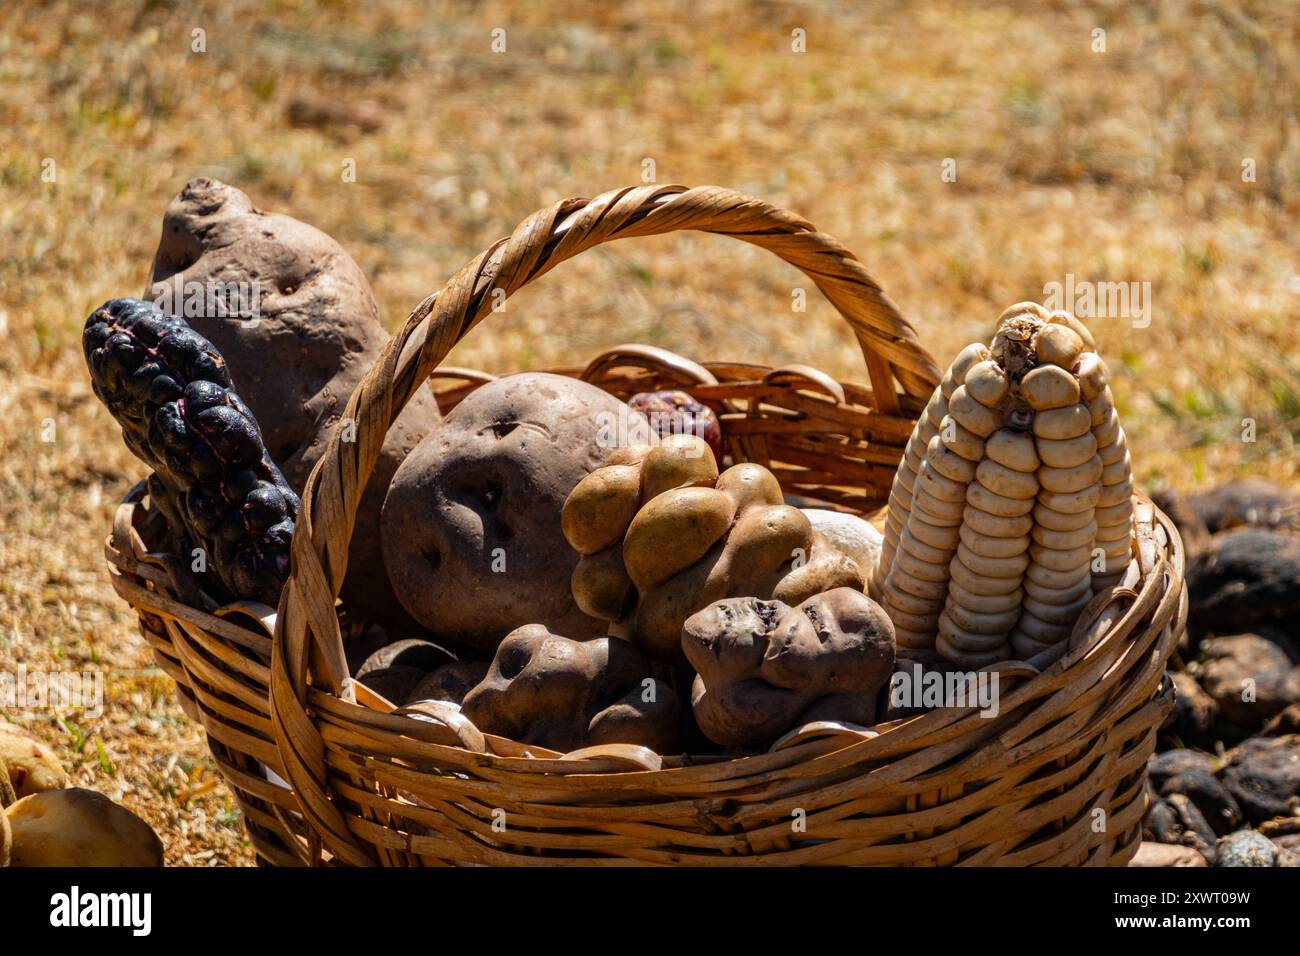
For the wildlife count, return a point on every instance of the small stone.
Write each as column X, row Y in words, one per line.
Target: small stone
column 1246, row 848
column 1165, row 855
column 1288, row 850
column 1288, row 841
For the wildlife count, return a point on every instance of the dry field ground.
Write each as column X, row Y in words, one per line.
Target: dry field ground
column 1124, row 165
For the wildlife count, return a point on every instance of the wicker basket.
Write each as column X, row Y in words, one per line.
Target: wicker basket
column 327, row 771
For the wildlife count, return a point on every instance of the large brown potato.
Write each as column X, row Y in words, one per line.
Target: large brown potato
column 471, row 525
column 564, row 694
column 296, row 366
column 79, row 828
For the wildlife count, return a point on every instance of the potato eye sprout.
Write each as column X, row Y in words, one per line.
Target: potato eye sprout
column 1012, row 505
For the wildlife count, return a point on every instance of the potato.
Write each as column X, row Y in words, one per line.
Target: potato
column 1250, row 502
column 78, row 827
column 848, row 534
column 672, row 531
column 396, row 669
column 601, row 587
column 450, row 682
column 562, row 694
column 677, row 413
column 6, row 839
column 317, row 333
column 749, row 485
column 765, row 668
column 472, row 533
column 33, row 766
column 697, row 537
column 763, row 539
column 600, row 508
column 824, row 570
column 656, row 620
column 395, row 683
column 678, row 461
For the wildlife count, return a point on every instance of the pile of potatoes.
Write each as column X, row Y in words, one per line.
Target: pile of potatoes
column 463, row 548
column 47, row 823
column 662, row 534
column 550, row 582
column 636, row 540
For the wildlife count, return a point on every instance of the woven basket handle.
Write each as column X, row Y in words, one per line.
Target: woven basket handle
column 307, row 633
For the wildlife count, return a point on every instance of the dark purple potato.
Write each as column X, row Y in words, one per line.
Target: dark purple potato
column 677, row 413
column 213, row 481
column 1250, row 502
column 1264, row 777
column 1245, row 579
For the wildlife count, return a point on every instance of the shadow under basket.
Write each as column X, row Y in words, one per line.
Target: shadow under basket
column 326, row 771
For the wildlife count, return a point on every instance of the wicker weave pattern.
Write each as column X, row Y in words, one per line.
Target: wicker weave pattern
column 1056, row 777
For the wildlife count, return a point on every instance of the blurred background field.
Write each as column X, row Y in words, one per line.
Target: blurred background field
column 1117, row 166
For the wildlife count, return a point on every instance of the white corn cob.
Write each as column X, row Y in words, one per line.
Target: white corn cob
column 1012, row 504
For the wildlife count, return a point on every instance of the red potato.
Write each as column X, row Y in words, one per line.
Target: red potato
column 674, row 412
